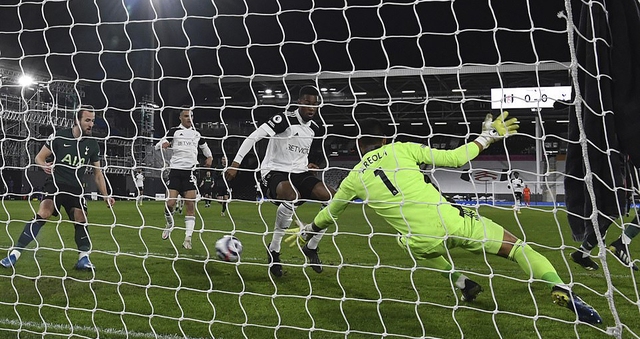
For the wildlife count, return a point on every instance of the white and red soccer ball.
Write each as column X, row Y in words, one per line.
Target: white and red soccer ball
column 228, row 248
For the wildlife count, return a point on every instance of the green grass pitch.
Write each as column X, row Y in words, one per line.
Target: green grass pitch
column 145, row 287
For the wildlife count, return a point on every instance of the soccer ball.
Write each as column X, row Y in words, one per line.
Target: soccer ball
column 228, row 248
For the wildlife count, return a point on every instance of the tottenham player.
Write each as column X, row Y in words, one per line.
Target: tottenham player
column 285, row 170
column 65, row 157
column 184, row 140
column 517, row 186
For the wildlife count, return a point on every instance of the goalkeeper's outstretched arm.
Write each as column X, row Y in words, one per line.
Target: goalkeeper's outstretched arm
column 498, row 129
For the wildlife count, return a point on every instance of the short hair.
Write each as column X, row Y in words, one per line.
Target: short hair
column 371, row 131
column 83, row 108
column 308, row 90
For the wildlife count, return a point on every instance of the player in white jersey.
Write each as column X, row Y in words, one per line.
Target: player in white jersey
column 285, row 169
column 516, row 184
column 184, row 140
column 138, row 180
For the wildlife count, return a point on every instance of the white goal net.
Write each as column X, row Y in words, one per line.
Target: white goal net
column 428, row 70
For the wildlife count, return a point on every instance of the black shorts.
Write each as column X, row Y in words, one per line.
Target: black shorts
column 67, row 197
column 181, row 181
column 518, row 195
column 221, row 191
column 302, row 182
column 206, row 190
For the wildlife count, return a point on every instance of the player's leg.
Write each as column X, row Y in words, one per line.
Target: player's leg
column 140, row 195
column 620, row 247
column 77, row 209
column 501, row 242
column 189, row 199
column 583, row 255
column 312, row 187
column 431, row 252
column 179, row 203
column 225, row 199
column 207, row 198
column 285, row 193
column 30, row 231
column 168, row 213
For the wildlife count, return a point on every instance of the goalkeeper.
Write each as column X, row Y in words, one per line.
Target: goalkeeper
column 388, row 179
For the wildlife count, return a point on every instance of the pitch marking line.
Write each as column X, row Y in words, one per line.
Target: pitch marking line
column 31, row 325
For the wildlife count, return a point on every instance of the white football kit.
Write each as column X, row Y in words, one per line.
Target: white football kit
column 290, row 140
column 139, row 180
column 517, row 185
column 184, row 144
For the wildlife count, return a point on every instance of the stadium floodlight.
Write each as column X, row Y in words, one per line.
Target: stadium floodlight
column 268, row 91
column 459, row 90
column 25, row 80
column 408, row 91
column 359, row 93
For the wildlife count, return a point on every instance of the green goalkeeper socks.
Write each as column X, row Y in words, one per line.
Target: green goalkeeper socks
column 532, row 262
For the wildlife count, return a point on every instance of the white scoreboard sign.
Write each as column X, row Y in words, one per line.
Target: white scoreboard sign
column 528, row 97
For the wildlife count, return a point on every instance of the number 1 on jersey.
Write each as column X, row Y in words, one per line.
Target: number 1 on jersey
column 380, row 173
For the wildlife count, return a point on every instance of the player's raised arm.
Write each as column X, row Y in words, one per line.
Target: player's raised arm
column 498, row 129
column 492, row 131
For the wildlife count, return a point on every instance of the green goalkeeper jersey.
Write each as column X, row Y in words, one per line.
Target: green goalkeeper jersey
column 389, row 180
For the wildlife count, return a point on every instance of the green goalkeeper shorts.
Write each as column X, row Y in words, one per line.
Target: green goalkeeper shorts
column 474, row 233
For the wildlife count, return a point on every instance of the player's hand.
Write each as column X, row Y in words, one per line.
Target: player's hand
column 312, row 166
column 299, row 235
column 494, row 130
column 208, row 162
column 232, row 171
column 48, row 167
column 110, row 201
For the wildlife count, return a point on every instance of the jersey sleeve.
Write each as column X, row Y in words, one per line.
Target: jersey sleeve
column 257, row 135
column 202, row 144
column 276, row 124
column 95, row 155
column 167, row 138
column 448, row 158
column 338, row 204
column 49, row 142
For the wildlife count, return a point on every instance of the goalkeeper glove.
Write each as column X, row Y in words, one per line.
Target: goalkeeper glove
column 301, row 234
column 494, row 130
